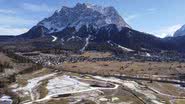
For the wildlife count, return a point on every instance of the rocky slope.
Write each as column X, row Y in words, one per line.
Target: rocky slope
column 180, row 32
column 80, row 15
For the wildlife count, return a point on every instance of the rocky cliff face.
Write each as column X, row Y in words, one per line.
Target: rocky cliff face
column 83, row 14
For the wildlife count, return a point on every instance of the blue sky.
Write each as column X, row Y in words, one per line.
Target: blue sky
column 159, row 17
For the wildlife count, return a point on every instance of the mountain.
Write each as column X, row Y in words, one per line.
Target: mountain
column 180, row 32
column 83, row 14
column 87, row 27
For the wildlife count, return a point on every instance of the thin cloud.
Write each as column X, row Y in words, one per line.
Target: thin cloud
column 37, row 8
column 167, row 31
column 13, row 25
column 13, row 20
column 146, row 12
column 131, row 17
column 12, row 31
column 6, row 11
column 152, row 9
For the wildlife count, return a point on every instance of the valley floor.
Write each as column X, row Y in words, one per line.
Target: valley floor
column 73, row 88
column 99, row 82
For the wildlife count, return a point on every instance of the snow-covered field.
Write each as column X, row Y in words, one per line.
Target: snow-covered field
column 30, row 88
column 133, row 86
column 66, row 85
column 58, row 85
column 6, row 100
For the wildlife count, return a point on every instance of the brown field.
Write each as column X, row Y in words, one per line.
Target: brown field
column 91, row 54
column 55, row 101
column 4, row 58
column 127, row 67
column 169, row 89
column 179, row 101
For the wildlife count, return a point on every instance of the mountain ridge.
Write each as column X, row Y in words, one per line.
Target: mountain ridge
column 180, row 32
column 82, row 14
column 88, row 35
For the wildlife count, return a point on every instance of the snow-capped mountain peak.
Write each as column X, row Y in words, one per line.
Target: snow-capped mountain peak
column 83, row 14
column 180, row 32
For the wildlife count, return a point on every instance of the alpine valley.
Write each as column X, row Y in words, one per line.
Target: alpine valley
column 88, row 54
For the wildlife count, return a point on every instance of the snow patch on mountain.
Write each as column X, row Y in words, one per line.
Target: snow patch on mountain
column 110, row 43
column 71, row 38
column 124, row 48
column 86, row 44
column 74, row 37
column 119, row 46
column 54, row 38
column 148, row 54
